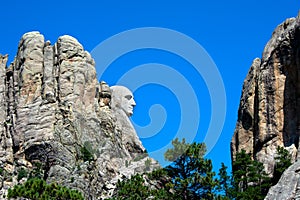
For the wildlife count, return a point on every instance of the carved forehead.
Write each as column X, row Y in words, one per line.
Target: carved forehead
column 118, row 91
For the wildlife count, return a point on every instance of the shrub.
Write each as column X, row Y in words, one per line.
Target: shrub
column 38, row 189
column 87, row 152
column 22, row 174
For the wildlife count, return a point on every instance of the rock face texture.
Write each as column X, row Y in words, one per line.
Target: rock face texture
column 288, row 187
column 56, row 121
column 268, row 114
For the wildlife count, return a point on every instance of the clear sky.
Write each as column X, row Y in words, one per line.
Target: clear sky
column 175, row 96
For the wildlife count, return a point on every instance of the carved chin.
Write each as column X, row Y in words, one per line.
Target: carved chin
column 129, row 114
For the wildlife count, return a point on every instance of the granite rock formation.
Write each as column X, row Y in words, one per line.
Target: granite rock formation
column 288, row 187
column 268, row 114
column 56, row 120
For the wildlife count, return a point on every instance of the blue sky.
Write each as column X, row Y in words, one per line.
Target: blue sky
column 232, row 32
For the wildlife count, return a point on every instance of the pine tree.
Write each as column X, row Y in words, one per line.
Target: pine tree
column 224, row 186
column 135, row 188
column 250, row 181
column 191, row 174
column 282, row 161
column 132, row 189
column 38, row 189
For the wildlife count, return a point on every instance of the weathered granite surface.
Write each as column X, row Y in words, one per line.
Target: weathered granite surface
column 268, row 114
column 52, row 110
column 288, row 187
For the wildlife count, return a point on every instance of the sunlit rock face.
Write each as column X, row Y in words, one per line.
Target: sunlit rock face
column 268, row 114
column 122, row 104
column 54, row 110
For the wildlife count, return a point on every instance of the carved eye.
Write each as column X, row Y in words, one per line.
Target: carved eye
column 104, row 95
column 128, row 97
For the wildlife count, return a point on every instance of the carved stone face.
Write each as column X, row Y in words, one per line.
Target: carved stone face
column 122, row 98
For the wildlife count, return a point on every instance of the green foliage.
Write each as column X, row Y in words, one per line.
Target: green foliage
column 132, row 189
column 87, row 152
column 140, row 157
column 127, row 163
column 22, row 173
column 189, row 177
column 37, row 171
column 250, row 181
column 136, row 189
column 162, row 194
column 38, row 189
column 191, row 174
column 282, row 161
column 179, row 148
column 157, row 174
column 148, row 163
column 224, row 183
column 5, row 175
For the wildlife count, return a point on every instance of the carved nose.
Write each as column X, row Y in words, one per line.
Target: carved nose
column 133, row 103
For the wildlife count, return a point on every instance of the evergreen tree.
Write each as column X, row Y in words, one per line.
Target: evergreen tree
column 132, row 189
column 282, row 161
column 191, row 174
column 38, row 189
column 189, row 177
column 135, row 188
column 224, row 186
column 250, row 181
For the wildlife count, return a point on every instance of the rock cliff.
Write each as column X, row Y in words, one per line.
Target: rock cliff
column 56, row 120
column 268, row 114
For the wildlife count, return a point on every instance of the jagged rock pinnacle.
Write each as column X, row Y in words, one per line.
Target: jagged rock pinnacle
column 51, row 117
column 269, row 109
